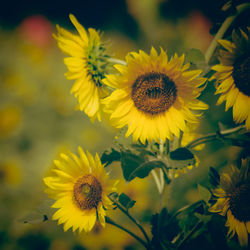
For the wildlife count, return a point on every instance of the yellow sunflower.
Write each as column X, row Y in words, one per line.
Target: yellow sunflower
column 87, row 64
column 154, row 96
column 80, row 187
column 10, row 173
column 232, row 75
column 233, row 201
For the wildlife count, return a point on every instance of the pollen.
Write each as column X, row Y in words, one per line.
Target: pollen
column 87, row 192
column 154, row 93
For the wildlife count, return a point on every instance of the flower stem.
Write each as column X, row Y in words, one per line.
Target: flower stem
column 117, row 61
column 111, row 222
column 190, row 233
column 227, row 23
column 157, row 180
column 214, row 136
column 132, row 219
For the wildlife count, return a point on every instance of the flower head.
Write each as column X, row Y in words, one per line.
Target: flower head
column 154, row 96
column 87, row 64
column 232, row 76
column 232, row 200
column 80, row 187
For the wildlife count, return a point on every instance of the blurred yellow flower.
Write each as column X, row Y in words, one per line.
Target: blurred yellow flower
column 87, row 64
column 108, row 238
column 80, row 187
column 232, row 75
column 10, row 117
column 154, row 97
column 10, row 173
column 232, row 200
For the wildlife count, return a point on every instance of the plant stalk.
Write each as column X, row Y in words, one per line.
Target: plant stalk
column 214, row 136
column 132, row 219
column 227, row 23
column 111, row 222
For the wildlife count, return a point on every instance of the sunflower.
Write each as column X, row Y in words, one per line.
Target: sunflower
column 232, row 76
column 86, row 64
column 154, row 97
column 232, row 200
column 10, row 173
column 80, row 187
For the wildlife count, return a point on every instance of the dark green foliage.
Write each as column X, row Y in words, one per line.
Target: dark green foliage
column 110, row 156
column 125, row 201
column 214, row 177
column 164, row 229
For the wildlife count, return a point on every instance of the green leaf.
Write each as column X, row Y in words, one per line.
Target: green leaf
column 137, row 165
column 129, row 163
column 203, row 218
column 40, row 214
column 126, row 201
column 164, row 229
column 196, row 57
column 110, row 156
column 145, row 168
column 204, row 193
column 181, row 158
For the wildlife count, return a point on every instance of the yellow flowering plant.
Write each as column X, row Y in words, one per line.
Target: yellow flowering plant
column 156, row 101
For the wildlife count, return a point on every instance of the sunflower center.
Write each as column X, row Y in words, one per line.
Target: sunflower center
column 87, row 192
column 240, row 202
column 154, row 93
column 241, row 74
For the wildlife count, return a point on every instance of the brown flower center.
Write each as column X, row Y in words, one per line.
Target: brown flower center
column 154, row 93
column 87, row 192
column 240, row 202
column 241, row 74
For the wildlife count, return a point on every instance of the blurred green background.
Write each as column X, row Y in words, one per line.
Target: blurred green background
column 38, row 118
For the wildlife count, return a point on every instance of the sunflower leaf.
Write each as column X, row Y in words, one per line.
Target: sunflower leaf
column 110, row 156
column 137, row 165
column 126, row 201
column 204, row 193
column 162, row 236
column 145, row 168
column 196, row 57
column 181, row 158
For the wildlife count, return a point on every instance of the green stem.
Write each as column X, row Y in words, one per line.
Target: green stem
column 167, row 146
column 180, row 138
column 117, row 61
column 132, row 219
column 190, row 233
column 227, row 23
column 214, row 136
column 111, row 222
column 157, row 180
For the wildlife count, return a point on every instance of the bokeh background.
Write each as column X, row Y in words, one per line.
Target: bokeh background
column 38, row 119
